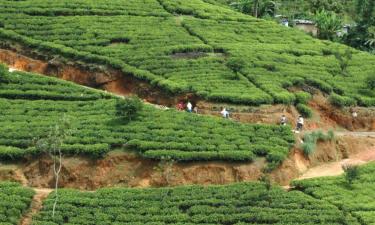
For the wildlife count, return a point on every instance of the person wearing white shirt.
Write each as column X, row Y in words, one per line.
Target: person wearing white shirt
column 224, row 113
column 300, row 123
column 189, row 107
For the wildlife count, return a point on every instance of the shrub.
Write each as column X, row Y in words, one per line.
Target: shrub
column 321, row 85
column 236, row 64
column 370, row 81
column 3, row 71
column 341, row 101
column 305, row 110
column 302, row 97
column 128, row 108
column 351, row 173
column 310, row 140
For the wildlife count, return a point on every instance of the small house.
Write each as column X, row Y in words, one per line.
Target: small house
column 307, row 25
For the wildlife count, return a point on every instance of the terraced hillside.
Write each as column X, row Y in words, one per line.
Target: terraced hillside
column 30, row 104
column 357, row 198
column 190, row 47
column 237, row 204
column 14, row 201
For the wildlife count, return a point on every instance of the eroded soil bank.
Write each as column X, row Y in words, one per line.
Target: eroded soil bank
column 90, row 75
column 127, row 169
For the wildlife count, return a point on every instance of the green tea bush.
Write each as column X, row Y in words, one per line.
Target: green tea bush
column 93, row 33
column 370, row 80
column 355, row 199
column 15, row 201
column 128, row 108
column 302, row 97
column 304, row 110
column 30, row 104
column 260, row 203
column 341, row 101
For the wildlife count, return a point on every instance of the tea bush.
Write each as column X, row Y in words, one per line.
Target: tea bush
column 31, row 103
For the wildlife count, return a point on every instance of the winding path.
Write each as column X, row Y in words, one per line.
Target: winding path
column 36, row 205
column 335, row 168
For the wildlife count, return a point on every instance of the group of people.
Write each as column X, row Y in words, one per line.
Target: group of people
column 188, row 107
column 300, row 122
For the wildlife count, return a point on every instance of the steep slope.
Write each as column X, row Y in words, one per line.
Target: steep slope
column 189, row 47
column 245, row 203
column 31, row 104
column 357, row 199
column 14, row 201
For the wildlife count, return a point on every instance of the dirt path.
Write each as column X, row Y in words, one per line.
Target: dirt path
column 335, row 168
column 355, row 134
column 36, row 205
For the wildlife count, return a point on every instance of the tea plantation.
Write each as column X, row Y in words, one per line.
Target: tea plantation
column 240, row 204
column 14, row 201
column 191, row 47
column 30, row 104
column 357, row 198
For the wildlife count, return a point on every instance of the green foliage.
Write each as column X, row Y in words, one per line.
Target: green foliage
column 351, row 173
column 328, row 24
column 304, row 110
column 3, row 71
column 371, row 81
column 302, row 97
column 362, row 35
column 256, row 8
column 128, row 108
column 204, row 36
column 15, row 201
column 31, row 104
column 344, row 60
column 341, row 101
column 355, row 199
column 236, row 64
column 241, row 203
column 310, row 140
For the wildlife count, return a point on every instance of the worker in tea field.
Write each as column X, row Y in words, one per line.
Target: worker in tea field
column 225, row 113
column 283, row 120
column 189, row 107
column 180, row 106
column 354, row 114
column 300, row 122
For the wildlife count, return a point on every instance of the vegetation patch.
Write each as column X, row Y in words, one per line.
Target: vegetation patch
column 244, row 203
column 31, row 104
column 15, row 200
column 352, row 192
column 264, row 53
column 310, row 140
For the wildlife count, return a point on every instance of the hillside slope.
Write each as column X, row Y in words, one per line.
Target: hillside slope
column 189, row 47
column 243, row 203
column 30, row 104
column 357, row 198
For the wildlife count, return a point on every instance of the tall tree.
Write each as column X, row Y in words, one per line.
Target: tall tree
column 256, row 8
column 52, row 144
column 362, row 36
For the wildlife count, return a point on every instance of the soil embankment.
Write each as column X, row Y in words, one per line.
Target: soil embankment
column 120, row 168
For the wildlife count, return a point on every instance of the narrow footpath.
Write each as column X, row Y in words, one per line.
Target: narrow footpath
column 36, row 205
column 335, row 168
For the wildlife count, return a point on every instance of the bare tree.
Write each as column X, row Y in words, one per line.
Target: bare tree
column 51, row 144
